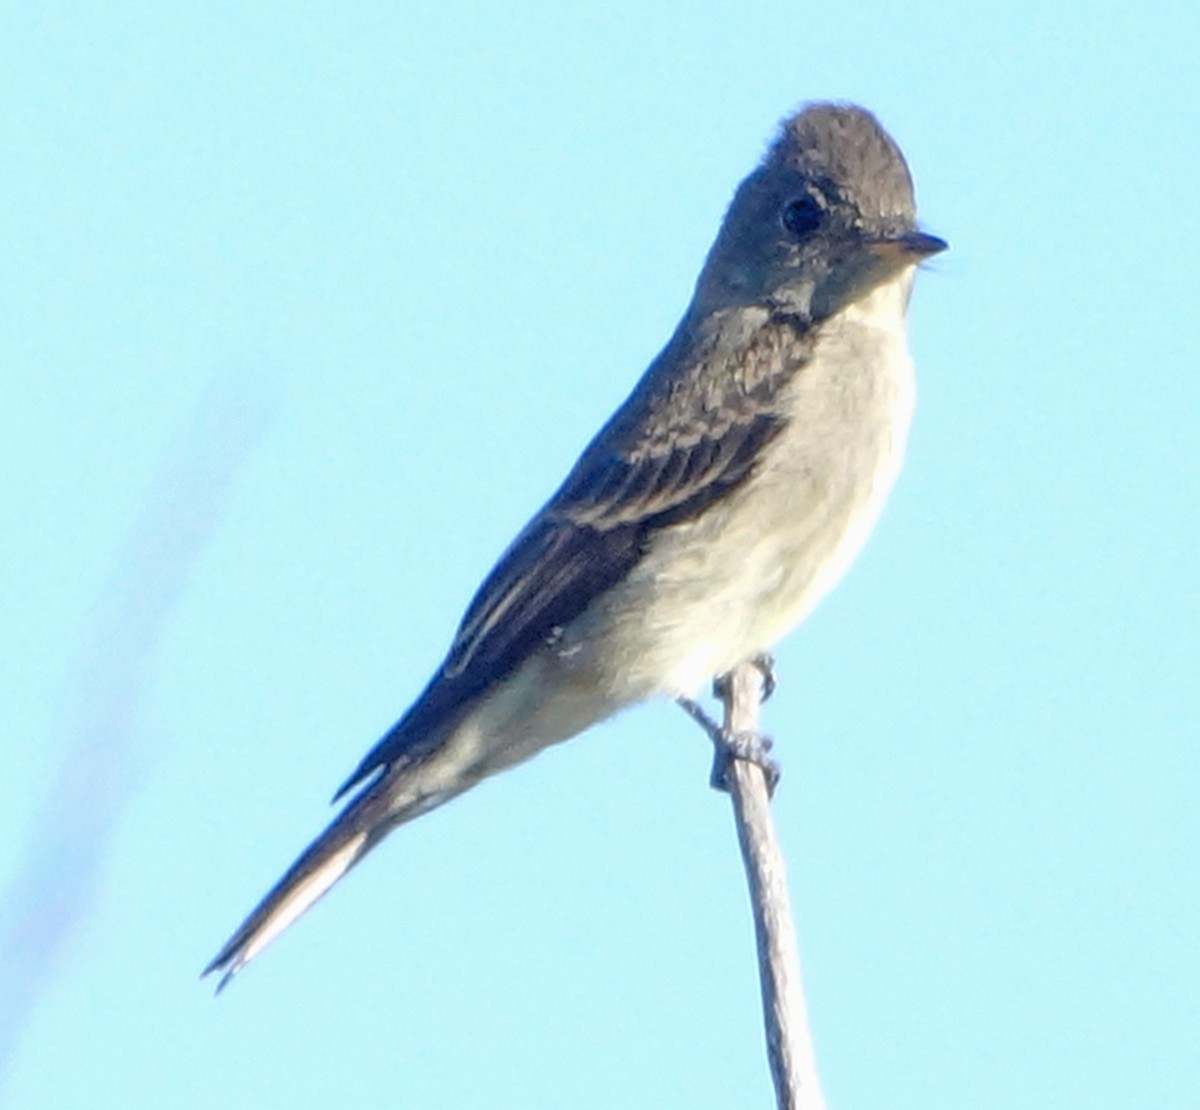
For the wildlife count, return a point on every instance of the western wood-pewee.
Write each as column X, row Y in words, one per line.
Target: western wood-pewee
column 724, row 498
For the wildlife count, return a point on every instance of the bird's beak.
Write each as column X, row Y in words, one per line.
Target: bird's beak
column 908, row 248
column 865, row 265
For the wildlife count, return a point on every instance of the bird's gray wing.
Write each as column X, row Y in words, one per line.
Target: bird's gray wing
column 677, row 445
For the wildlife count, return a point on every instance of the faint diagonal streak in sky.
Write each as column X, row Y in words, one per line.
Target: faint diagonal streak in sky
column 57, row 879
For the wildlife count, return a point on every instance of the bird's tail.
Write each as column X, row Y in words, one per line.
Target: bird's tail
column 357, row 829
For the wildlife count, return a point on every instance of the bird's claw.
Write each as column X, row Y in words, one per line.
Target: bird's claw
column 750, row 746
column 765, row 662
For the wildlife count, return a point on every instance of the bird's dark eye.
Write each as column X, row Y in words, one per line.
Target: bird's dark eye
column 801, row 216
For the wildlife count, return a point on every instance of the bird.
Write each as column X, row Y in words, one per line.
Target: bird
column 722, row 500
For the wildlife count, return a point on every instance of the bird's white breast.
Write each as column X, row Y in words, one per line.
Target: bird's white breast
column 736, row 580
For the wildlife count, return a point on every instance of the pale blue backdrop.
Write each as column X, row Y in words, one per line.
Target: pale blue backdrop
column 305, row 308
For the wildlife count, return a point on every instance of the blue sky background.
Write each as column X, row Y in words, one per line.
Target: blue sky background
column 307, row 307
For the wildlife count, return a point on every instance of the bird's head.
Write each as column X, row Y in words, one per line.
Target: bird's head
column 828, row 216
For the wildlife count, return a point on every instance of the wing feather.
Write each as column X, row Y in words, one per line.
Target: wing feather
column 676, row 446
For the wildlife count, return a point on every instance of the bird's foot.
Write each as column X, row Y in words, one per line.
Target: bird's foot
column 765, row 662
column 751, row 746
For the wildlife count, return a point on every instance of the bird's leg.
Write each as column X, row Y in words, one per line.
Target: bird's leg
column 696, row 711
column 751, row 746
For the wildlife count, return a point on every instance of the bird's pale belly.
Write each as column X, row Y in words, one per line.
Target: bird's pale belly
column 734, row 582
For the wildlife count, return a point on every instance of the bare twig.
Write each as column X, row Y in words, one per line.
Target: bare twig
column 789, row 1041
